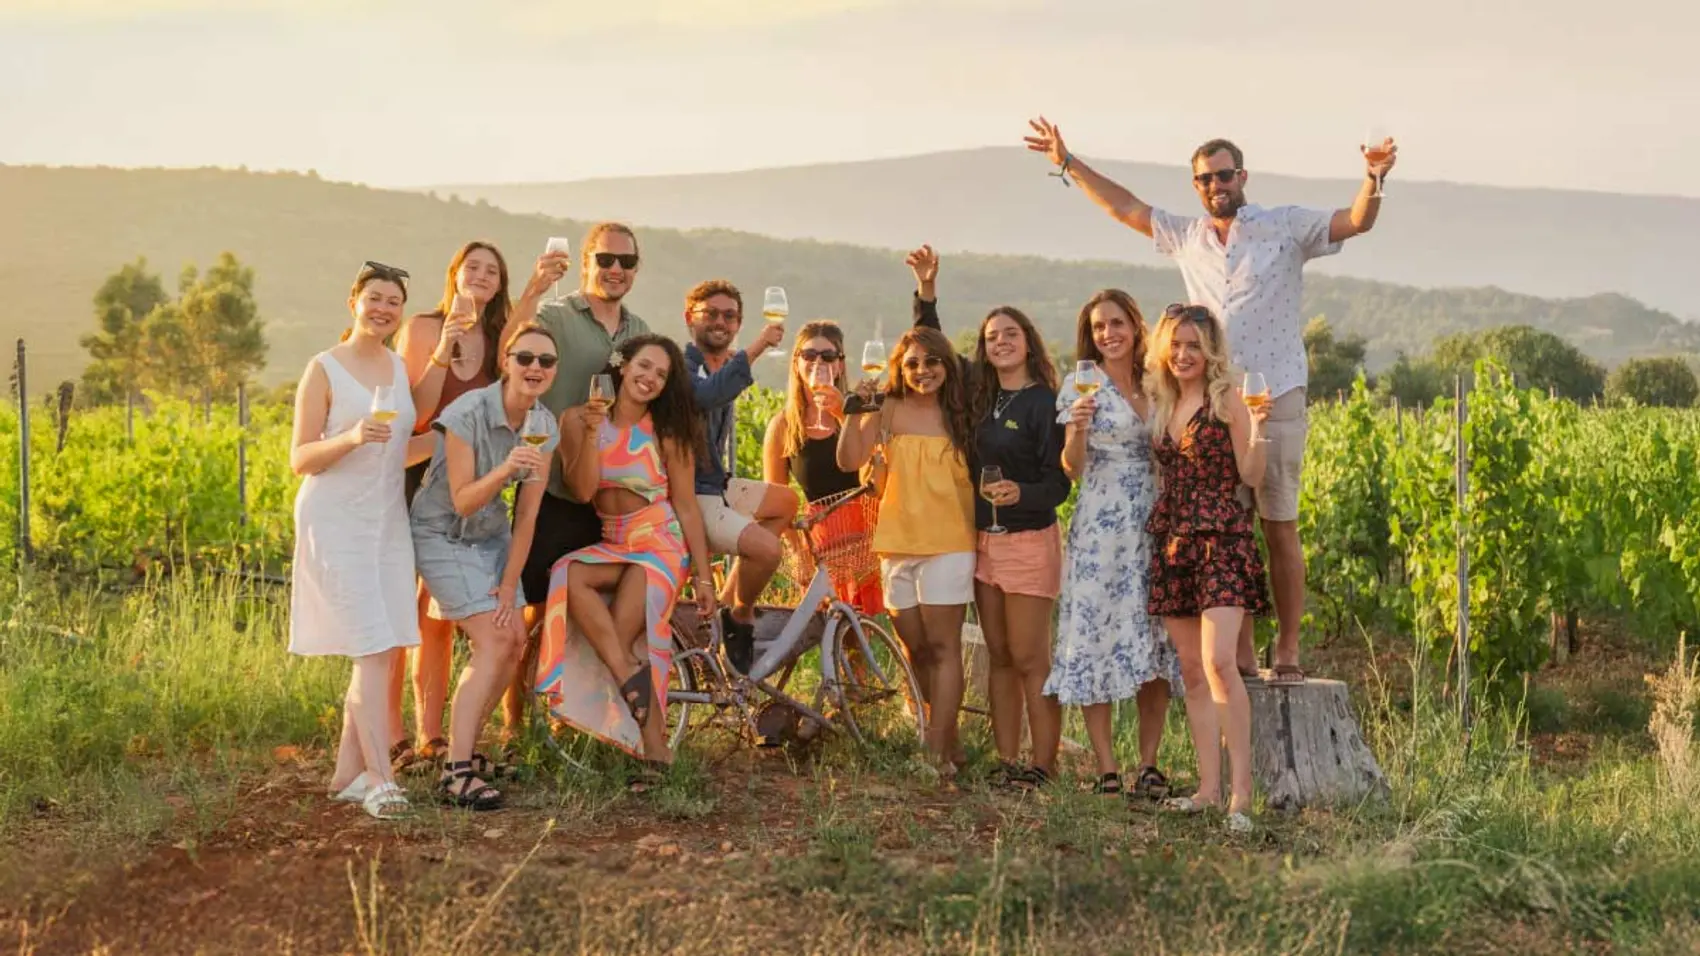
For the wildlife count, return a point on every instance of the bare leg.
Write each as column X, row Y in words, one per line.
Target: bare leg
column 431, row 663
column 495, row 653
column 1153, row 703
column 913, row 633
column 1201, row 714
column 1028, row 619
column 395, row 681
column 350, row 761
column 1218, row 635
column 368, row 702
column 521, row 689
column 943, row 626
column 631, row 623
column 1098, row 731
column 759, row 552
column 1003, row 683
column 1287, row 586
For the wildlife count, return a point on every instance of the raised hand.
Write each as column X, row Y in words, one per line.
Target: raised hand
column 1047, row 139
column 1389, row 156
column 924, row 262
column 551, row 267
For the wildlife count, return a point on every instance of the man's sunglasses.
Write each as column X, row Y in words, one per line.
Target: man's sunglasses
column 606, row 260
column 817, row 355
column 1222, row 176
column 708, row 314
column 525, row 359
column 931, row 361
column 382, row 271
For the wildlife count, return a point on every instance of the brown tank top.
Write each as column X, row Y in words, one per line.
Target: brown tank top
column 453, row 386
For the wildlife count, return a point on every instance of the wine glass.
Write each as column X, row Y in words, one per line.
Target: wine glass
column 820, row 379
column 562, row 245
column 535, row 432
column 601, row 390
column 1376, row 150
column 383, row 404
column 775, row 309
column 1255, row 390
column 991, row 475
column 873, row 358
column 1088, row 377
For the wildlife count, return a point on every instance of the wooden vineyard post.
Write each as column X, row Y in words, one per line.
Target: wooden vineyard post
column 26, row 553
column 242, row 453
column 1462, row 468
column 1306, row 750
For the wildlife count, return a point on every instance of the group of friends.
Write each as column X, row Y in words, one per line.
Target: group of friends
column 617, row 445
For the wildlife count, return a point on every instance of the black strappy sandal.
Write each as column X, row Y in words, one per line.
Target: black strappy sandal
column 489, row 769
column 1109, row 784
column 1151, row 785
column 481, row 797
column 1031, row 778
column 637, row 691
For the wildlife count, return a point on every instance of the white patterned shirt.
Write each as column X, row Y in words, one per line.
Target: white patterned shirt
column 1253, row 284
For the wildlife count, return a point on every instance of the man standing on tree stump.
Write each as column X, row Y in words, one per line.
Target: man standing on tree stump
column 1245, row 263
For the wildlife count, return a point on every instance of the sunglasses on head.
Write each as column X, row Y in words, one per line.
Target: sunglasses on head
column 819, row 355
column 606, row 260
column 1222, row 176
column 382, row 271
column 543, row 360
column 1180, row 310
column 931, row 361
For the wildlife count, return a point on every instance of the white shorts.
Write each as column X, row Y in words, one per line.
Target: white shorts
column 724, row 519
column 938, row 579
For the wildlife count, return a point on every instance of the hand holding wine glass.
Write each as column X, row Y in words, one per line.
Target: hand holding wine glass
column 820, row 383
column 1380, row 153
column 384, row 408
column 535, row 432
column 775, row 309
column 1255, row 392
column 559, row 246
column 990, row 476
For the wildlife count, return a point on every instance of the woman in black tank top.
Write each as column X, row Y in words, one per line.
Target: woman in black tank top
column 801, row 446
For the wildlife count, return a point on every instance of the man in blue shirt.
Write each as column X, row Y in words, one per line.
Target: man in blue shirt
column 743, row 517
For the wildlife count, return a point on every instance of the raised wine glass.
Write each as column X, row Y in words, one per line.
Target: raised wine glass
column 1377, row 147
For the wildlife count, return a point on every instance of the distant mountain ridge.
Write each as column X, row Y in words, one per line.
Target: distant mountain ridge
column 67, row 229
column 1545, row 242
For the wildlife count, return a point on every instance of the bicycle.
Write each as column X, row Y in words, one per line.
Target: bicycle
column 863, row 667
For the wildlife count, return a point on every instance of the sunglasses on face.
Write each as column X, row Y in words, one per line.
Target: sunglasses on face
column 1222, row 176
column 724, row 315
column 544, row 360
column 817, row 355
column 606, row 260
column 931, row 361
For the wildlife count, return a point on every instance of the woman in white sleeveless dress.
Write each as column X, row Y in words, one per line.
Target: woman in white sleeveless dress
column 353, row 581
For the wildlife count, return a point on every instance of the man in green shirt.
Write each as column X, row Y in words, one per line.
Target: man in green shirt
column 588, row 325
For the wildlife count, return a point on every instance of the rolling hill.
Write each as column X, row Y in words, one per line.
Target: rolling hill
column 67, row 229
column 997, row 199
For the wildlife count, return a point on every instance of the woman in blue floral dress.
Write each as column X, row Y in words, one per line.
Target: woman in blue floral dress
column 1108, row 646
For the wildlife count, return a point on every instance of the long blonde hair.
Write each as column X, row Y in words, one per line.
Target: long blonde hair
column 1218, row 368
column 798, row 400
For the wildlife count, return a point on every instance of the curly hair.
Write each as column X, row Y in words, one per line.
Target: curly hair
column 495, row 315
column 708, row 289
column 674, row 412
column 1218, row 368
column 953, row 394
column 798, row 400
column 1038, row 360
column 1086, row 349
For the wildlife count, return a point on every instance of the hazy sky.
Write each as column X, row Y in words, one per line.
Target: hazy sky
column 1557, row 93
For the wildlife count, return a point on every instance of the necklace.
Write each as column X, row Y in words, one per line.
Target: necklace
column 1001, row 403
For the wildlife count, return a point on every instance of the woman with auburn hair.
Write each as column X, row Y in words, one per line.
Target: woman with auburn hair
column 925, row 533
column 449, row 352
column 635, row 459
column 1018, row 561
column 1206, row 572
column 1109, row 648
column 802, row 445
column 351, row 579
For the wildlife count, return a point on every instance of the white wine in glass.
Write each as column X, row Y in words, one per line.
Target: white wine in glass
column 1377, row 147
column 562, row 245
column 1255, row 391
column 775, row 309
column 1087, row 377
column 601, row 390
column 383, row 404
column 991, row 475
column 873, row 358
column 820, row 380
column 535, row 433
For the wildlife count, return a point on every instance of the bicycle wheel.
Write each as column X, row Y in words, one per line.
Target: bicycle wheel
column 687, row 687
column 878, row 694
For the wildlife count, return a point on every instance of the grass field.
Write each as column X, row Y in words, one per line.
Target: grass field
column 162, row 762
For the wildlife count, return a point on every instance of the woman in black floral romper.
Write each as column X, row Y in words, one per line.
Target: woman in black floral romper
column 1206, row 573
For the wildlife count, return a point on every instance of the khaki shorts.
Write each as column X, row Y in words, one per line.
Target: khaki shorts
column 725, row 518
column 1289, row 422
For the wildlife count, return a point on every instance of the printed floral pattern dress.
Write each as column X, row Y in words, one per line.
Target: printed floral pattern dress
column 1108, row 645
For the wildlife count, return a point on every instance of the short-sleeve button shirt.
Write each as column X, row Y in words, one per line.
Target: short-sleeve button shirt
column 478, row 419
column 1254, row 282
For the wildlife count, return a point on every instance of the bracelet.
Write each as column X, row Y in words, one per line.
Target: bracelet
column 436, row 362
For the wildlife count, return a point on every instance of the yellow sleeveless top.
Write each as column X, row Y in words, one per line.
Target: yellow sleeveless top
column 928, row 505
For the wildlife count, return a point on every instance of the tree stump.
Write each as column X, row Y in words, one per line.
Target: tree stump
column 1306, row 750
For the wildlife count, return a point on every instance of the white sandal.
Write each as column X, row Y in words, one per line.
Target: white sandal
column 1186, row 805
column 357, row 789
column 387, row 801
column 1240, row 823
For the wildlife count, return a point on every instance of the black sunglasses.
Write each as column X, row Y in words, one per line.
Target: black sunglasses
column 817, row 355
column 931, row 361
column 1222, row 176
column 627, row 260
column 382, row 271
column 525, row 359
column 724, row 315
